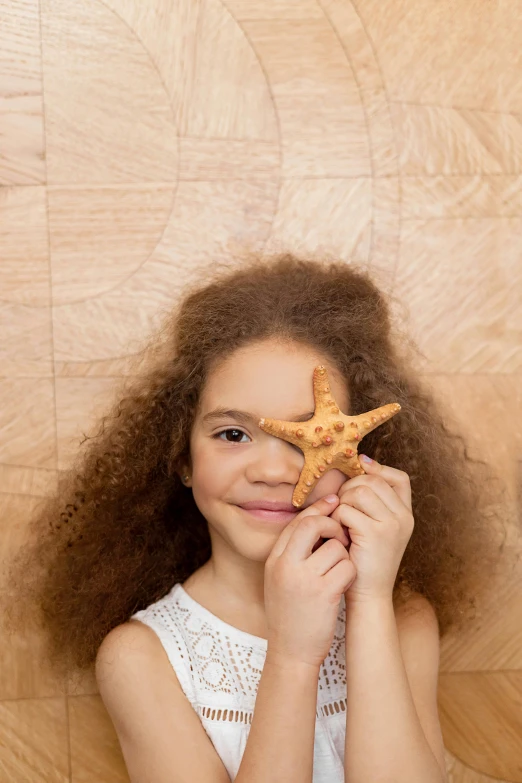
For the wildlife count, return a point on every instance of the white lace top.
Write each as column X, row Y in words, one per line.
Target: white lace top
column 219, row 668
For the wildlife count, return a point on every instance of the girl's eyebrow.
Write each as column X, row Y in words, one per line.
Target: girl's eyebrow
column 244, row 417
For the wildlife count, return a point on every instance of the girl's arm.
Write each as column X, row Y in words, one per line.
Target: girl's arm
column 384, row 741
column 280, row 745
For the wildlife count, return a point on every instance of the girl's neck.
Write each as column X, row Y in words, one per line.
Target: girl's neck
column 227, row 607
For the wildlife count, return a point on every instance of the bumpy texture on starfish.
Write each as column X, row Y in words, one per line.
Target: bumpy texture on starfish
column 328, row 440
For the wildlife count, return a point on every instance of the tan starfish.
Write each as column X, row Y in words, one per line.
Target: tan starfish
column 330, row 439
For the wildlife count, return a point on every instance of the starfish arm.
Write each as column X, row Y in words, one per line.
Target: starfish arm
column 366, row 422
column 286, row 430
column 324, row 401
column 306, row 483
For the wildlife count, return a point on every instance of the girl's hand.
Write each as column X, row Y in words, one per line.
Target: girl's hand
column 376, row 510
column 303, row 588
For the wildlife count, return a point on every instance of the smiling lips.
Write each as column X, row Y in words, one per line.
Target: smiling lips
column 267, row 505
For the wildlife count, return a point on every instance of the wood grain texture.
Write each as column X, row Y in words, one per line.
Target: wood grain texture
column 140, row 141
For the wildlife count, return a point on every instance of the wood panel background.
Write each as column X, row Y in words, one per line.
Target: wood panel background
column 141, row 141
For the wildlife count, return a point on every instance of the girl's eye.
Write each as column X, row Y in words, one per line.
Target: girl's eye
column 230, row 430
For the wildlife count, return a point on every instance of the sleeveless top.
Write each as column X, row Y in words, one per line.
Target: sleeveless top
column 219, row 668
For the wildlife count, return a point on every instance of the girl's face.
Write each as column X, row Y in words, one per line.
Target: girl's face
column 234, row 461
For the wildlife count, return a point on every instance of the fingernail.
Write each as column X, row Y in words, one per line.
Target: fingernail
column 331, row 498
column 365, row 458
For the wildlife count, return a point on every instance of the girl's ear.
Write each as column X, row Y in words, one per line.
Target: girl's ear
column 184, row 475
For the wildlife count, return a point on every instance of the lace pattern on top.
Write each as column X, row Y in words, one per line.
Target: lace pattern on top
column 222, row 665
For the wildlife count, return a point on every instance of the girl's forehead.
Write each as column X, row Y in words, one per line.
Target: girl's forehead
column 269, row 382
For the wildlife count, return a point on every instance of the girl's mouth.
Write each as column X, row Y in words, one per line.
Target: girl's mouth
column 270, row 516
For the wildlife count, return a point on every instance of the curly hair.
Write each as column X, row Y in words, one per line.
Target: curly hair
column 121, row 528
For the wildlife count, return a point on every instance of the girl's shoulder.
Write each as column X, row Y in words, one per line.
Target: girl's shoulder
column 130, row 643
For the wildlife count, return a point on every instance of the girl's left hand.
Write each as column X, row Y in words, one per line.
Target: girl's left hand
column 376, row 510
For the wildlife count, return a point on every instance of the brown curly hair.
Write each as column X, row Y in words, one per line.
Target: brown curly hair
column 121, row 529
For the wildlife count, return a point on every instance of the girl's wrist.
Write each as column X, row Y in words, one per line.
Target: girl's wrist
column 356, row 604
column 289, row 662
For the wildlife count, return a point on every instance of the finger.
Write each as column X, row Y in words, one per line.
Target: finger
column 309, row 530
column 354, row 520
column 397, row 479
column 381, row 489
column 327, row 556
column 322, row 507
column 364, row 499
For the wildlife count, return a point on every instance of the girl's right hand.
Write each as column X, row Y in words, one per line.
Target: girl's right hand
column 303, row 587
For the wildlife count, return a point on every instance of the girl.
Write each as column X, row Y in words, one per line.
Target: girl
column 231, row 646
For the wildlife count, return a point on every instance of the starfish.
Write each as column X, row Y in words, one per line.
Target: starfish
column 330, row 439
